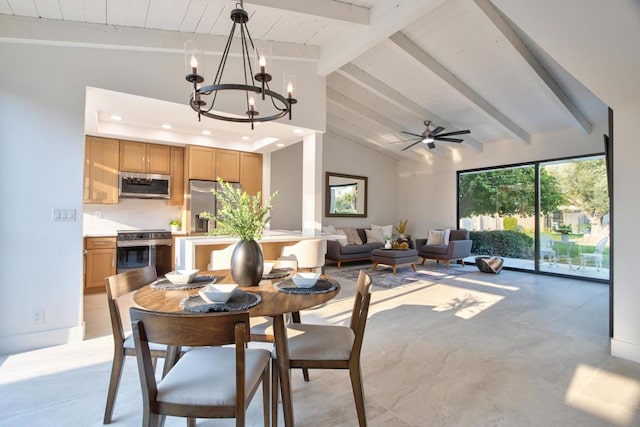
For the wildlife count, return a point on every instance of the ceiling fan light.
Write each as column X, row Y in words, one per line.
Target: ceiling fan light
column 427, row 140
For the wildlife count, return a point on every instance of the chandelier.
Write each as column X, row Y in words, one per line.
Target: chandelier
column 203, row 98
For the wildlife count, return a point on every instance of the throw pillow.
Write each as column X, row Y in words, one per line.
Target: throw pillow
column 329, row 229
column 445, row 236
column 386, row 230
column 341, row 241
column 374, row 235
column 352, row 235
column 435, row 237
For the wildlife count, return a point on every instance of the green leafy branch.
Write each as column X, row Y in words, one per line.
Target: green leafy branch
column 241, row 215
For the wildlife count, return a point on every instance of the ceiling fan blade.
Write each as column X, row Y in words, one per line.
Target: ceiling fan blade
column 437, row 130
column 431, row 145
column 403, row 140
column 406, row 148
column 413, row 134
column 457, row 132
column 449, row 139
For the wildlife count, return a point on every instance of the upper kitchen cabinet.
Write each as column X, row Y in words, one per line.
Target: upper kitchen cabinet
column 145, row 158
column 101, row 170
column 251, row 172
column 209, row 163
column 177, row 176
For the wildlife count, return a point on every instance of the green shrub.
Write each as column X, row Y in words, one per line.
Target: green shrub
column 510, row 244
column 509, row 223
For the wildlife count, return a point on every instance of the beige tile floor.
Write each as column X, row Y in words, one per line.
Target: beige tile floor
column 512, row 349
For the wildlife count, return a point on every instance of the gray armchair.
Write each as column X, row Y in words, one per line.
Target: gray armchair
column 458, row 248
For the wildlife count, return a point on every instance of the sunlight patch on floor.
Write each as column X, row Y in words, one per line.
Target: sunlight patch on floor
column 488, row 284
column 615, row 398
column 464, row 302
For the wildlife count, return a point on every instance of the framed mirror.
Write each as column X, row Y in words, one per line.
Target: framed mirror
column 345, row 195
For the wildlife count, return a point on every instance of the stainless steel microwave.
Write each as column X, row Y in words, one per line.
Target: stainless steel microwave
column 144, row 186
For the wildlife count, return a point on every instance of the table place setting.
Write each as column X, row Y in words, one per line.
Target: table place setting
column 306, row 284
column 220, row 298
column 180, row 280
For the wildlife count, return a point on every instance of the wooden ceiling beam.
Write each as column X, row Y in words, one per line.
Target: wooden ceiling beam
column 422, row 57
column 342, row 13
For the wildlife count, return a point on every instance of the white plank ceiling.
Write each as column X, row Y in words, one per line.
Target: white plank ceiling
column 390, row 64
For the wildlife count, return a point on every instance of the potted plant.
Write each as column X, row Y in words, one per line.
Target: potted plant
column 564, row 230
column 401, row 228
column 175, row 225
column 244, row 216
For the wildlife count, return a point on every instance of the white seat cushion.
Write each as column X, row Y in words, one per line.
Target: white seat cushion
column 319, row 342
column 207, row 376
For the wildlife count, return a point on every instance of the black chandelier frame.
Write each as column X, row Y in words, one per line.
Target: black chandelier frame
column 197, row 101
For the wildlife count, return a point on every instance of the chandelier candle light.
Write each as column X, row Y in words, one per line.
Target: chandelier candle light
column 203, row 98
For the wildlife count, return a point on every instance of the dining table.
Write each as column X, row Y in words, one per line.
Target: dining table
column 274, row 303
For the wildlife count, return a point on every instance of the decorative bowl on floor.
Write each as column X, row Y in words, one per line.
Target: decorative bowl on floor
column 217, row 293
column 305, row 280
column 181, row 277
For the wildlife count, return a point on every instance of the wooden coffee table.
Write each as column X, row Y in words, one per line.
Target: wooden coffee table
column 394, row 258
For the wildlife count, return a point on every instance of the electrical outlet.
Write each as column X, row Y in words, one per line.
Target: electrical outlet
column 37, row 316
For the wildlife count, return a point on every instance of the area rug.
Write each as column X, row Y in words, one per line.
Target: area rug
column 384, row 278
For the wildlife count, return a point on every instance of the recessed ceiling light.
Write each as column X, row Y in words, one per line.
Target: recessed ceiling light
column 245, row 138
column 280, row 145
column 206, row 132
column 298, row 131
column 116, row 117
column 166, row 126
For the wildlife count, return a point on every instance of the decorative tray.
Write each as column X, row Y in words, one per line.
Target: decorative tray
column 239, row 301
column 198, row 282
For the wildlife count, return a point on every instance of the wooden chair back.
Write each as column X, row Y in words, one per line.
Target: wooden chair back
column 118, row 286
column 360, row 311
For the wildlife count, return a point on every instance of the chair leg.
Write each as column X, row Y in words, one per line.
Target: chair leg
column 274, row 393
column 358, row 393
column 114, row 383
column 266, row 395
column 305, row 374
column 191, row 422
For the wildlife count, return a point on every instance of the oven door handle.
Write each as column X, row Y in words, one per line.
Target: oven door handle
column 152, row 255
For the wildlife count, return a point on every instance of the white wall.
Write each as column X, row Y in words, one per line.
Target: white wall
column 429, row 190
column 42, row 91
column 286, row 177
column 384, row 204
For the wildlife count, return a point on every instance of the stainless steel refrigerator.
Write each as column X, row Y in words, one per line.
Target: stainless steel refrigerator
column 201, row 199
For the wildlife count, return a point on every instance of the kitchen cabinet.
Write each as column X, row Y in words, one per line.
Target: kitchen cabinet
column 101, row 165
column 145, row 158
column 177, row 176
column 100, row 261
column 210, row 163
column 251, row 172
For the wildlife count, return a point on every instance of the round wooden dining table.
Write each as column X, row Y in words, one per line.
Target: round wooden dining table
column 274, row 303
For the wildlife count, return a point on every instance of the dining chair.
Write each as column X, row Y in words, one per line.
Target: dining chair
column 546, row 250
column 220, row 259
column 120, row 288
column 330, row 347
column 208, row 381
column 309, row 253
column 595, row 256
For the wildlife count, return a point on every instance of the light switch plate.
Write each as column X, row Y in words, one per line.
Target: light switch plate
column 63, row 214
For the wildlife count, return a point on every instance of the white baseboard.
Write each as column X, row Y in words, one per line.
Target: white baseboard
column 625, row 350
column 41, row 339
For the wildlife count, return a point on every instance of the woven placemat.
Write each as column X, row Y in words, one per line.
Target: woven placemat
column 277, row 273
column 239, row 301
column 198, row 282
column 322, row 286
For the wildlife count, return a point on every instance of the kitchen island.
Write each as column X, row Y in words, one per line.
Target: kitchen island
column 194, row 252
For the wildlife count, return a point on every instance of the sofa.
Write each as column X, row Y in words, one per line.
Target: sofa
column 340, row 254
column 458, row 248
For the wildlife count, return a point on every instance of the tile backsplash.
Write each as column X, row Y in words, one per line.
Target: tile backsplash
column 129, row 214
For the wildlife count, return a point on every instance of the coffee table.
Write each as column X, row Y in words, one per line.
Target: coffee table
column 394, row 258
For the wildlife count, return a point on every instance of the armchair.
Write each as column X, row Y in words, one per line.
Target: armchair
column 457, row 249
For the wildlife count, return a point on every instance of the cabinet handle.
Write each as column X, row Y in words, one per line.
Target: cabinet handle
column 113, row 260
column 99, row 243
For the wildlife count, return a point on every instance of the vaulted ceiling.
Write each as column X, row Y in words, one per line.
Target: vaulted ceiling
column 390, row 64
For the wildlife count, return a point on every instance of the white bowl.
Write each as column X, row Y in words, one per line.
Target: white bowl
column 305, row 280
column 268, row 266
column 181, row 277
column 217, row 292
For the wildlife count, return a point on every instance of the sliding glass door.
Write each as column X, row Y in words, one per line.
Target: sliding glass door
column 550, row 216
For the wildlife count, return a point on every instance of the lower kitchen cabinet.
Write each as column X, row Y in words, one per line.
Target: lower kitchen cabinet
column 100, row 262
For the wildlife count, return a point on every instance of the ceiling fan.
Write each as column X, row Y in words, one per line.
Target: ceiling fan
column 430, row 136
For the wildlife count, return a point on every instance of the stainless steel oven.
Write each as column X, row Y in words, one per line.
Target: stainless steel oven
column 136, row 249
